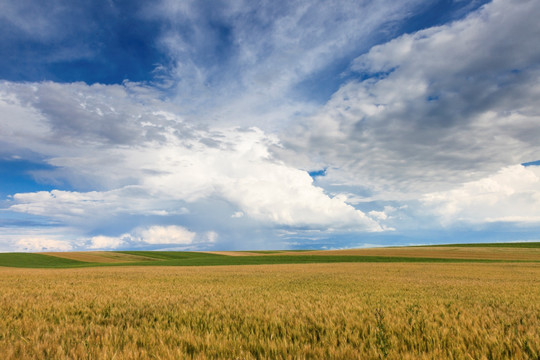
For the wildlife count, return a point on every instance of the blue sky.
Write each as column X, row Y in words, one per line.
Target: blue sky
column 200, row 125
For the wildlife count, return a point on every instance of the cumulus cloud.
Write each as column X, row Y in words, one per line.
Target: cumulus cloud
column 154, row 235
column 286, row 196
column 439, row 107
column 165, row 235
column 510, row 195
column 84, row 206
column 106, row 242
column 42, row 244
column 144, row 160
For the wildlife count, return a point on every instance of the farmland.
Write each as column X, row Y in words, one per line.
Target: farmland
column 520, row 252
column 487, row 308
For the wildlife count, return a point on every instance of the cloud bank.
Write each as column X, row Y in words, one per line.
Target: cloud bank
column 145, row 161
column 439, row 107
column 291, row 125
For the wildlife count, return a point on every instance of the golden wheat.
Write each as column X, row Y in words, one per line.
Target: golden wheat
column 315, row 311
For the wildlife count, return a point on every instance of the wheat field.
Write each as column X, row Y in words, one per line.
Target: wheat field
column 311, row 311
column 446, row 252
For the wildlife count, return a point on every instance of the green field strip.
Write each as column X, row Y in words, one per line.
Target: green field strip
column 308, row 259
column 30, row 260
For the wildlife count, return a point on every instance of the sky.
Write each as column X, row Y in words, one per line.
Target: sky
column 244, row 125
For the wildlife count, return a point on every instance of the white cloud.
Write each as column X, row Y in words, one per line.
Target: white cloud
column 86, row 208
column 510, row 195
column 270, row 48
column 153, row 235
column 211, row 236
column 72, row 239
column 379, row 215
column 442, row 106
column 105, row 242
column 42, row 244
column 148, row 161
column 165, row 235
column 32, row 238
column 287, row 196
